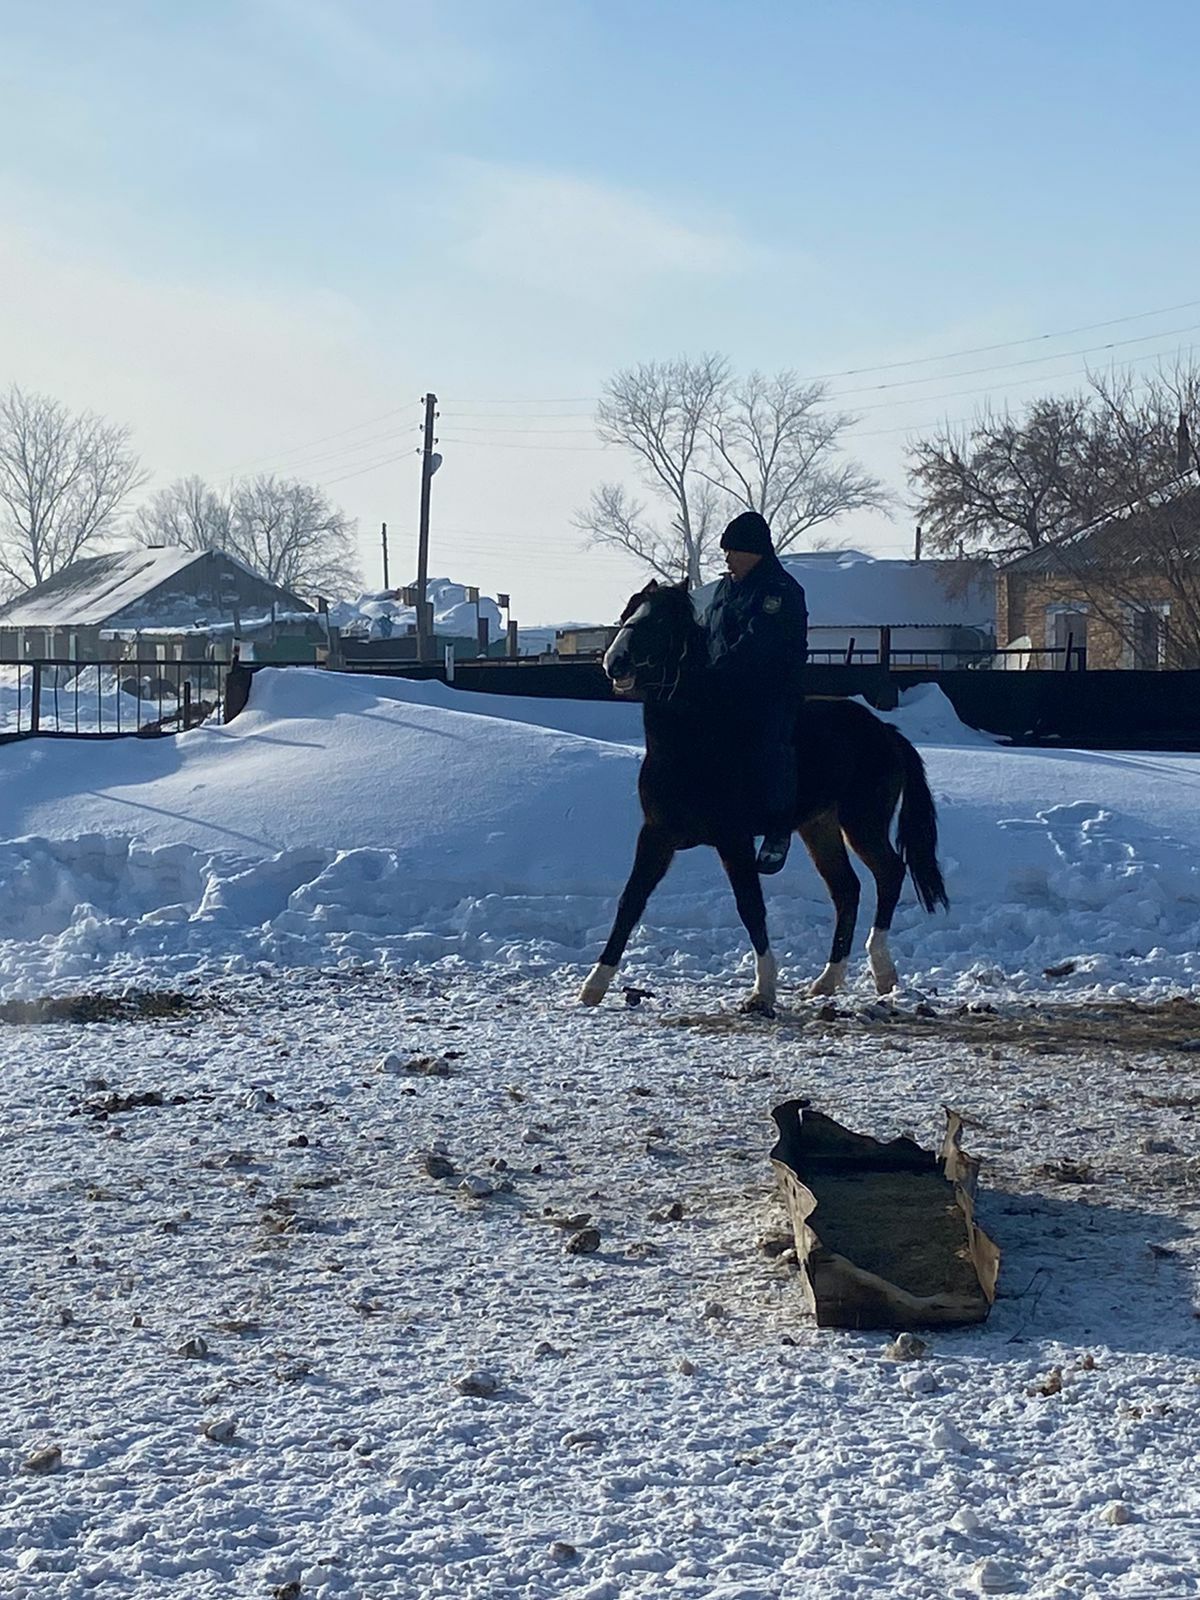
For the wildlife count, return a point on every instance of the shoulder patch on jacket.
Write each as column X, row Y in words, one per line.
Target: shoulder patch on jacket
column 772, row 604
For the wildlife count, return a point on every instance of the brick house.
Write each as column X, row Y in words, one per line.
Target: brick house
column 1122, row 591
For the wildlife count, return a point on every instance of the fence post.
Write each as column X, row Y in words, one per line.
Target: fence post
column 187, row 704
column 35, row 697
column 849, row 661
column 1070, row 648
column 885, row 648
column 514, row 646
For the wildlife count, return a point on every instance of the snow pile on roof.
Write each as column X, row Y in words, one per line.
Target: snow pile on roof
column 850, row 589
column 349, row 820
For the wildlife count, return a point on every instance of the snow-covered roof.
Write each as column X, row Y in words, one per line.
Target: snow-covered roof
column 850, row 589
column 98, row 589
column 847, row 589
column 1120, row 538
column 95, row 588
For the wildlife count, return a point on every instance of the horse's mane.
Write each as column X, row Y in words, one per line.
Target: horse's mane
column 672, row 598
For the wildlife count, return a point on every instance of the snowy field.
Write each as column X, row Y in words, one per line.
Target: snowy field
column 343, row 1175
column 349, row 820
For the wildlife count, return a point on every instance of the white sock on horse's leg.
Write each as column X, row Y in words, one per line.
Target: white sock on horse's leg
column 766, row 975
column 831, row 980
column 596, row 984
column 879, row 954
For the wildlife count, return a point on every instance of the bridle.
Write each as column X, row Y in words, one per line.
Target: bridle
column 668, row 685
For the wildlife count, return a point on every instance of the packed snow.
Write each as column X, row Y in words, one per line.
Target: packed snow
column 300, row 1296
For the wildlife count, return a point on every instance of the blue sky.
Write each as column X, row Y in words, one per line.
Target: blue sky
column 244, row 227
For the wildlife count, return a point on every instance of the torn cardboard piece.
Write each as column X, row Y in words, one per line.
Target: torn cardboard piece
column 885, row 1233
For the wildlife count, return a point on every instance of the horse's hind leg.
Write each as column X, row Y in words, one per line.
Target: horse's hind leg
column 823, row 837
column 739, row 863
column 869, row 839
column 651, row 860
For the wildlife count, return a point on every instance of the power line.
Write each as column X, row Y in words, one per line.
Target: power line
column 1006, row 344
column 1008, row 366
column 554, row 433
column 370, row 422
column 501, row 444
column 896, row 366
column 372, row 466
column 990, row 388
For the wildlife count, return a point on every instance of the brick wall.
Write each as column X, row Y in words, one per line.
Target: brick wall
column 1022, row 601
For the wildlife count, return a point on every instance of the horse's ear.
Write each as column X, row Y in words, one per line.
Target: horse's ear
column 651, row 586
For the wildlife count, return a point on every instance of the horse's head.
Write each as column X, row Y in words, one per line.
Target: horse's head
column 656, row 642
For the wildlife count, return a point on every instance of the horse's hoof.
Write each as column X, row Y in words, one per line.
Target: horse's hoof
column 597, row 984
column 829, row 982
column 885, row 984
column 757, row 1006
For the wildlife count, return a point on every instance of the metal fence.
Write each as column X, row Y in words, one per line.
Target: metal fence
column 1069, row 658
column 107, row 698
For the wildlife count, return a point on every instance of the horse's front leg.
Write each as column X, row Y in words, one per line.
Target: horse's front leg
column 739, row 863
column 651, row 860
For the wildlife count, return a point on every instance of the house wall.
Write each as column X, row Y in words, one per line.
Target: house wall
column 1024, row 601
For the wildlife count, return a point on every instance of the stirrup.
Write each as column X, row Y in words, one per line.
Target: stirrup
column 773, row 854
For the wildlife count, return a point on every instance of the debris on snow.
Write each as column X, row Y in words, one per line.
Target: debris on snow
column 476, row 1188
column 583, row 1243
column 221, row 1430
column 480, row 1384
column 906, row 1347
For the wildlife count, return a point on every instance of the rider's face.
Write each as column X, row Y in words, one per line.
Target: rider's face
column 740, row 562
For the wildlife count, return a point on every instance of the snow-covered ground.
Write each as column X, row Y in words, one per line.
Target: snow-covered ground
column 380, row 897
column 664, row 1421
column 345, row 819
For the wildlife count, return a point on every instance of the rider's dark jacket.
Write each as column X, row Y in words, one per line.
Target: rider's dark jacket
column 758, row 634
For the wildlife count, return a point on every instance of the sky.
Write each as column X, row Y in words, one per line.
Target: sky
column 258, row 231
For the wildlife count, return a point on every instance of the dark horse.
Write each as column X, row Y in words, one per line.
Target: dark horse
column 853, row 770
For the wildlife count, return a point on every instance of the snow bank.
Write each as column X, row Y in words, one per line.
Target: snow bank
column 927, row 717
column 349, row 820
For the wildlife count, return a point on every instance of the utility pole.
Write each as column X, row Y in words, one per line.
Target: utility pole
column 386, row 584
column 429, row 465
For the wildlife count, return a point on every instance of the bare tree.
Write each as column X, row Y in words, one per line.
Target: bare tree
column 1104, row 482
column 1138, row 563
column 186, row 513
column 1006, row 484
column 774, row 450
column 288, row 531
column 660, row 411
column 708, row 446
column 63, row 479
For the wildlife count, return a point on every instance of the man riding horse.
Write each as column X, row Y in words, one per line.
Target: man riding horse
column 757, row 645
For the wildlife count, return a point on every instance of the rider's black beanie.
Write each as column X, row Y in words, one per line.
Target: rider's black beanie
column 748, row 532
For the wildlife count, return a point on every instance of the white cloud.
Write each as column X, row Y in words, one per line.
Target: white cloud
column 590, row 241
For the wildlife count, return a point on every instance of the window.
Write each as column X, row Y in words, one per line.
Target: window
column 1067, row 627
column 1146, row 636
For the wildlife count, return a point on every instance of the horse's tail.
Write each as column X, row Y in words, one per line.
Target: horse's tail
column 917, row 834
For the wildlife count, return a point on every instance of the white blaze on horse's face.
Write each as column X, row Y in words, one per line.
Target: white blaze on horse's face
column 618, row 661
